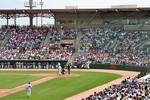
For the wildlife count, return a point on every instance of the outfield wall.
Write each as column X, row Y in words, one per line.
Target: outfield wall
column 120, row 67
column 41, row 63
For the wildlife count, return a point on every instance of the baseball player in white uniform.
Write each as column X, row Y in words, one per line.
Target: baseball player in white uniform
column 59, row 69
column 29, row 89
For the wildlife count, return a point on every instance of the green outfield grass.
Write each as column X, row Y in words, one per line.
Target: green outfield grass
column 11, row 79
column 58, row 88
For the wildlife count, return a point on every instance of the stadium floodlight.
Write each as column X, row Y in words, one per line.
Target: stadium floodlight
column 30, row 4
column 41, row 3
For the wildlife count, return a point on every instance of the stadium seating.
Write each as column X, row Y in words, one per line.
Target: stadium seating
column 129, row 89
column 115, row 46
column 97, row 45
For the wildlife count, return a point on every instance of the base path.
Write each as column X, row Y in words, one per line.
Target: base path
column 125, row 74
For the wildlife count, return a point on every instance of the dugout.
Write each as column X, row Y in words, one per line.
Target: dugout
column 30, row 64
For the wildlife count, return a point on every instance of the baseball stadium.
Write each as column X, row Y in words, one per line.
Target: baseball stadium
column 87, row 54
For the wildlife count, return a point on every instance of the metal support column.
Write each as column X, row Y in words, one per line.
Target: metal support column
column 41, row 3
column 7, row 20
column 31, row 19
column 37, row 20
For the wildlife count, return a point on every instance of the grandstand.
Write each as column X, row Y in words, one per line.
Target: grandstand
column 129, row 89
column 114, row 36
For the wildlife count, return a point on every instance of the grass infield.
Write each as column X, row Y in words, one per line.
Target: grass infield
column 55, row 89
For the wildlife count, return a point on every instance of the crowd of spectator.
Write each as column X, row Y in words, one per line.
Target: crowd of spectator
column 98, row 45
column 23, row 41
column 129, row 89
column 115, row 46
column 56, row 50
column 3, row 33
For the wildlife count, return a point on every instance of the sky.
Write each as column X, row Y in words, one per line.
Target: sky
column 60, row 4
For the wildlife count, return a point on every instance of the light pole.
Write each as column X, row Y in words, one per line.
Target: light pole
column 30, row 5
column 41, row 3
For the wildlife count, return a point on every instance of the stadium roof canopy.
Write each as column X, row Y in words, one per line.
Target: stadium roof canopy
column 48, row 11
column 31, row 13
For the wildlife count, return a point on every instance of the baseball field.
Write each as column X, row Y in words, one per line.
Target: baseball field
column 47, row 85
column 57, row 88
